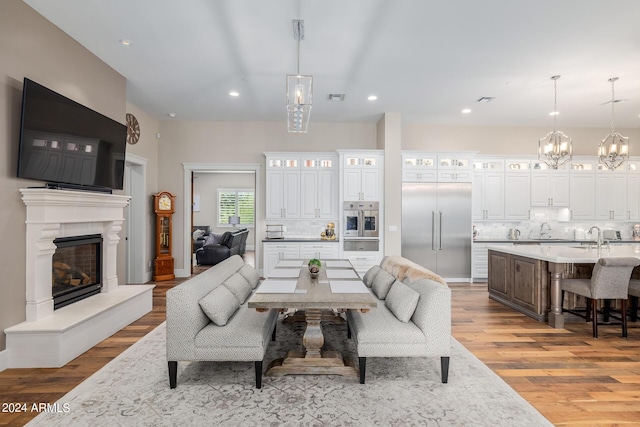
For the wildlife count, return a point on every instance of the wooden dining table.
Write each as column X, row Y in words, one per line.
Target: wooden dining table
column 315, row 297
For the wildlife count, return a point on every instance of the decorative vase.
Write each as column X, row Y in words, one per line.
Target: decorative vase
column 314, row 271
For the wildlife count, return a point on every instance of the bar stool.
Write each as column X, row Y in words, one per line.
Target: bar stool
column 609, row 280
column 634, row 293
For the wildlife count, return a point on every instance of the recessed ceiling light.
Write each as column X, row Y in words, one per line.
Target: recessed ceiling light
column 172, row 115
column 125, row 42
column 234, row 93
column 466, row 111
column 372, row 97
column 554, row 113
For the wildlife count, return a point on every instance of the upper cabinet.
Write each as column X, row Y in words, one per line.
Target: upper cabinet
column 362, row 177
column 517, row 189
column 488, row 189
column 455, row 168
column 319, row 186
column 582, row 198
column 549, row 187
column 419, row 167
column 283, row 187
column 302, row 186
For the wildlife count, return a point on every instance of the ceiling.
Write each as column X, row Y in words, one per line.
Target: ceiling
column 425, row 59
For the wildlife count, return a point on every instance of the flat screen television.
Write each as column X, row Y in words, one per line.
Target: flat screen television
column 68, row 145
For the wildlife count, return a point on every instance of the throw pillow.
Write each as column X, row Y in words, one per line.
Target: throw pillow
column 402, row 301
column 239, row 287
column 219, row 305
column 370, row 275
column 382, row 283
column 251, row 275
column 213, row 239
column 197, row 234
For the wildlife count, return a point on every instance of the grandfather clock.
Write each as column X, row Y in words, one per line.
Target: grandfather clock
column 163, row 264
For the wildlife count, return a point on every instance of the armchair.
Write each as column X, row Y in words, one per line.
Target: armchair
column 212, row 254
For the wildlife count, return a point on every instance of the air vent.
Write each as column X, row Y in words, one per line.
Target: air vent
column 336, row 97
column 486, row 99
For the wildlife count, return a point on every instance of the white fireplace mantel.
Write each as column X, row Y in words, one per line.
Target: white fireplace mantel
column 60, row 213
column 51, row 338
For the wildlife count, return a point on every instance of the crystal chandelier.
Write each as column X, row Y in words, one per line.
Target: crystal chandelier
column 299, row 90
column 555, row 148
column 614, row 148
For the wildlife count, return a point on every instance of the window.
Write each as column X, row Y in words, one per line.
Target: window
column 236, row 202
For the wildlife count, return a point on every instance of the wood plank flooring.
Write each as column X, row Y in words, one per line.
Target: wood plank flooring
column 571, row 378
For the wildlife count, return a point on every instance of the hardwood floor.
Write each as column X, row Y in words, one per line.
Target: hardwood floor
column 571, row 378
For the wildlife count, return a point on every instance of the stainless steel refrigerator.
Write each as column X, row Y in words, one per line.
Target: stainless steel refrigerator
column 437, row 227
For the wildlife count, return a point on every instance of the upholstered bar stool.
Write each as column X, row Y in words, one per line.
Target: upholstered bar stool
column 609, row 280
column 634, row 293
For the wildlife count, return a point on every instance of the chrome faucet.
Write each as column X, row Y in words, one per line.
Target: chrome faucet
column 545, row 233
column 599, row 241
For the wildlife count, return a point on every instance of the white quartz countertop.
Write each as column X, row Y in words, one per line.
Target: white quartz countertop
column 568, row 254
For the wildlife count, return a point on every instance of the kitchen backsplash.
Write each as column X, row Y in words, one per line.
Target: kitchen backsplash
column 561, row 228
column 305, row 229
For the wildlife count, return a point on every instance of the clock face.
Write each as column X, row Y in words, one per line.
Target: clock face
column 133, row 129
column 164, row 203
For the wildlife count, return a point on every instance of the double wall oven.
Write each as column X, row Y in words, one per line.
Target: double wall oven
column 361, row 226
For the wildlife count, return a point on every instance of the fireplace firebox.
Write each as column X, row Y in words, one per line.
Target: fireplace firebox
column 76, row 269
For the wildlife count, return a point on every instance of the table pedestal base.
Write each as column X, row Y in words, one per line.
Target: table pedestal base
column 331, row 363
column 328, row 316
column 313, row 360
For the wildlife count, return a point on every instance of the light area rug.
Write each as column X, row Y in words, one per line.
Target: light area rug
column 133, row 390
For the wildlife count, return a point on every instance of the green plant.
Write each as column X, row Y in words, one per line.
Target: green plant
column 314, row 266
column 314, row 261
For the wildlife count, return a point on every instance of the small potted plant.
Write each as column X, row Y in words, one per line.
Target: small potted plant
column 314, row 267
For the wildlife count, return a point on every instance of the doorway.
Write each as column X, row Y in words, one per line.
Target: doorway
column 194, row 169
column 135, row 220
column 219, row 196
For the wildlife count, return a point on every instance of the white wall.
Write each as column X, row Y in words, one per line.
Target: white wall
column 504, row 139
column 33, row 47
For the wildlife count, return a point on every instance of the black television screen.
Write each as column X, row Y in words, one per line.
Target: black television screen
column 67, row 144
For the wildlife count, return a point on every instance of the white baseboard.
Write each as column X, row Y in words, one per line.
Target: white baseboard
column 250, row 248
column 4, row 357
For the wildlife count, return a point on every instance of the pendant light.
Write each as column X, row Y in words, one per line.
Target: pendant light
column 555, row 148
column 299, row 90
column 614, row 148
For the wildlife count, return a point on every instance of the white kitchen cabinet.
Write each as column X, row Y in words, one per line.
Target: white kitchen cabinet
column 517, row 199
column 361, row 177
column 582, row 195
column 549, row 188
column 582, row 181
column 488, row 195
column 611, row 196
column 320, row 250
column 455, row 168
column 274, row 252
column 283, row 193
column 419, row 167
column 362, row 261
column 318, row 188
column 633, row 196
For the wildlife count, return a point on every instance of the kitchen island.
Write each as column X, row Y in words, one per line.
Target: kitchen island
column 527, row 277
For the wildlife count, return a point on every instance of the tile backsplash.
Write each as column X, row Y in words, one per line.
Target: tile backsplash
column 561, row 228
column 305, row 229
